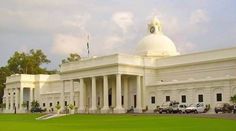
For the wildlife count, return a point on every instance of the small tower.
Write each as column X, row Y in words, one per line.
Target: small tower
column 154, row 26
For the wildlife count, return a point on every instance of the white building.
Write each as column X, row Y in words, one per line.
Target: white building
column 114, row 83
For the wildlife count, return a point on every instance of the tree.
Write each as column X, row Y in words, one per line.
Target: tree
column 24, row 63
column 4, row 72
column 28, row 63
column 72, row 57
column 233, row 99
column 34, row 104
column 58, row 107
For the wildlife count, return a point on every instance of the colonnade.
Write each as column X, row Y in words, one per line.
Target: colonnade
column 117, row 91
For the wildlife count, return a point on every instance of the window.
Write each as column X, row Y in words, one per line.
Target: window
column 74, row 103
column 98, row 101
column 135, row 101
column 50, row 104
column 183, row 98
column 44, row 104
column 58, row 103
column 167, row 98
column 153, row 100
column 200, row 98
column 122, row 100
column 218, row 97
column 65, row 103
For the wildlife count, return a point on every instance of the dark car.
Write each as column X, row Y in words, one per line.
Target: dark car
column 35, row 110
column 169, row 107
column 223, row 107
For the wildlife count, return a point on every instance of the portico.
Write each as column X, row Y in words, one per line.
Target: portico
column 17, row 99
column 94, row 95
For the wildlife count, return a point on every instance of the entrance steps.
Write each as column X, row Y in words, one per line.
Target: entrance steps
column 49, row 116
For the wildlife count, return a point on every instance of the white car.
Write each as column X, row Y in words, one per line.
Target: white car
column 182, row 108
column 196, row 108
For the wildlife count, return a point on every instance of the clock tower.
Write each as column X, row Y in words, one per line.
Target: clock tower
column 154, row 26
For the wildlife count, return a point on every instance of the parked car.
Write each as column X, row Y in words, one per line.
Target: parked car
column 234, row 109
column 196, row 108
column 169, row 107
column 35, row 110
column 182, row 108
column 223, row 107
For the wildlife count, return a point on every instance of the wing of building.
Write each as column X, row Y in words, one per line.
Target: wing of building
column 118, row 82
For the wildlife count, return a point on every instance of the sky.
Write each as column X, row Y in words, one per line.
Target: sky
column 61, row 27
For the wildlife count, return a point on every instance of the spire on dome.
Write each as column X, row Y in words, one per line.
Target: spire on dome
column 154, row 26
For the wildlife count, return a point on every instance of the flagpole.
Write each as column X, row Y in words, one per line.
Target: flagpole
column 88, row 45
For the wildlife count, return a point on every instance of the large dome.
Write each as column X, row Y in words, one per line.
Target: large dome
column 156, row 44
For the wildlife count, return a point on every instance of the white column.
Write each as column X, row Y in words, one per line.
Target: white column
column 113, row 88
column 21, row 98
column 11, row 102
column 81, row 97
column 126, row 95
column 7, row 99
column 17, row 98
column 139, row 95
column 31, row 96
column 118, row 108
column 93, row 109
column 62, row 101
column 72, row 92
column 105, row 95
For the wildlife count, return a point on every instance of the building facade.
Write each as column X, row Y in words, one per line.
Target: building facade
column 157, row 73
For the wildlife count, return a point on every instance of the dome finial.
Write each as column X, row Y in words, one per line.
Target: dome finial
column 155, row 25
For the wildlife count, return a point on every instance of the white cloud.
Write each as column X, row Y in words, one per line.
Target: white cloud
column 112, row 41
column 66, row 44
column 78, row 21
column 123, row 19
column 198, row 17
column 186, row 46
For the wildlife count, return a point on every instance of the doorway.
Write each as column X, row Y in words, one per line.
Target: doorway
column 135, row 101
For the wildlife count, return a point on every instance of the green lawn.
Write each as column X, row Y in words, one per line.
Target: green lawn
column 26, row 122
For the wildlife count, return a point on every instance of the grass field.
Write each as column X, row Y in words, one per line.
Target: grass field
column 26, row 122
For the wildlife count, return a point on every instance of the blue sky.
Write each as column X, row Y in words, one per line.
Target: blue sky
column 60, row 27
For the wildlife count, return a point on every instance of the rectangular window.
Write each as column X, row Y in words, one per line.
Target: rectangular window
column 183, row 98
column 200, row 98
column 44, row 104
column 50, row 104
column 65, row 103
column 135, row 101
column 153, row 100
column 167, row 98
column 218, row 97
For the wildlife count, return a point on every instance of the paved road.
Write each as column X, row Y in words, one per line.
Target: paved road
column 203, row 115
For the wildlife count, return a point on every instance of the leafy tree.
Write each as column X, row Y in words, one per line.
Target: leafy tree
column 233, row 99
column 71, row 106
column 4, row 72
column 72, row 57
column 35, row 104
column 24, row 63
column 28, row 63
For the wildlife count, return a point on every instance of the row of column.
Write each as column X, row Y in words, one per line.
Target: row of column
column 19, row 98
column 118, row 101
